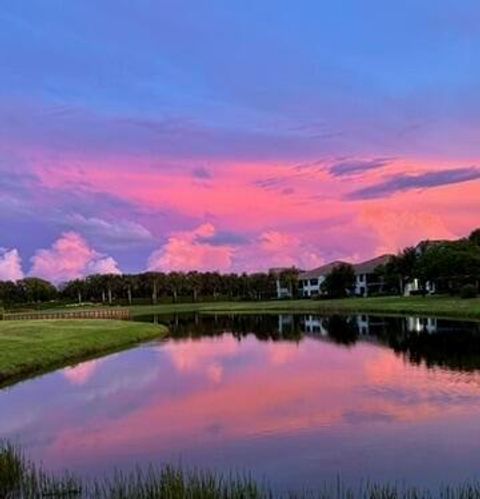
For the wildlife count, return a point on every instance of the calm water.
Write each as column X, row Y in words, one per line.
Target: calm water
column 295, row 399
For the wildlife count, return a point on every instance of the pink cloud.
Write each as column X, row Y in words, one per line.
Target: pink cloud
column 10, row 265
column 198, row 356
column 279, row 404
column 284, row 249
column 396, row 228
column 79, row 375
column 190, row 250
column 292, row 215
column 70, row 257
column 105, row 265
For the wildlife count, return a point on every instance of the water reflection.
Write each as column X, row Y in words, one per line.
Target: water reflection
column 434, row 342
column 297, row 399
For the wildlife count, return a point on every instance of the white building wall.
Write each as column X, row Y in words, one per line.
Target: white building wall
column 314, row 325
column 361, row 287
column 282, row 292
column 422, row 324
column 309, row 289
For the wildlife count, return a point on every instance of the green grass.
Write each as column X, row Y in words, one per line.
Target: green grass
column 20, row 479
column 30, row 347
column 439, row 306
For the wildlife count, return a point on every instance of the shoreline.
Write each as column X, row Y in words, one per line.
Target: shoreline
column 34, row 347
column 440, row 307
column 429, row 306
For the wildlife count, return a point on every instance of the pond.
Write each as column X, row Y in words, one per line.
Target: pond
column 297, row 400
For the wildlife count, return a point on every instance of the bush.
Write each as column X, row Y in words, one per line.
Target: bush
column 468, row 291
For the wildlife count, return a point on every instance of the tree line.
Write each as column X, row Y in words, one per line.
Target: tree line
column 445, row 267
column 453, row 266
column 148, row 287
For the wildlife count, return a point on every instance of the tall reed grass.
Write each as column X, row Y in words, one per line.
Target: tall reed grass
column 20, row 478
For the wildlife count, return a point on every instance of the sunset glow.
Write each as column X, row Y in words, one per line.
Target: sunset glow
column 178, row 136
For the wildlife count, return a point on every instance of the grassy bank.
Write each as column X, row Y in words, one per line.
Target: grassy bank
column 30, row 347
column 440, row 306
column 19, row 478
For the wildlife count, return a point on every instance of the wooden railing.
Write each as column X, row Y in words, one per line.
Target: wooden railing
column 114, row 314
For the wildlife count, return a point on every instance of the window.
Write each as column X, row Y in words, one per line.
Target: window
column 313, row 282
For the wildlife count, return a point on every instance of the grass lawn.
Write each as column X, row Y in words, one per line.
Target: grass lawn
column 30, row 347
column 439, row 306
column 417, row 305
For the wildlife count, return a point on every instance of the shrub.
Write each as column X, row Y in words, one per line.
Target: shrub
column 418, row 292
column 340, row 281
column 468, row 291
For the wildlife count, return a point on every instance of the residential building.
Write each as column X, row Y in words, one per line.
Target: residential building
column 422, row 325
column 366, row 281
column 414, row 285
column 282, row 290
column 310, row 282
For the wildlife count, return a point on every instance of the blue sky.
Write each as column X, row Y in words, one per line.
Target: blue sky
column 99, row 96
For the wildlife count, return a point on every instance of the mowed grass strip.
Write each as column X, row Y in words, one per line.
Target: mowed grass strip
column 29, row 347
column 440, row 306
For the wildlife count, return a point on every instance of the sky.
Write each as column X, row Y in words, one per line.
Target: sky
column 233, row 136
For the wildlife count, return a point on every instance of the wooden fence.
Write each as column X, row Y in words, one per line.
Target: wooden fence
column 114, row 314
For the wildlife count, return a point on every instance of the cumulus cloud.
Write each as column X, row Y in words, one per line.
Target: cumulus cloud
column 192, row 250
column 122, row 232
column 397, row 228
column 107, row 265
column 70, row 257
column 406, row 182
column 82, row 373
column 283, row 249
column 10, row 265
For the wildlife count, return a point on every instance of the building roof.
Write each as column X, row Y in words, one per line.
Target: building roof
column 280, row 270
column 426, row 244
column 360, row 268
column 276, row 270
column 370, row 265
column 320, row 271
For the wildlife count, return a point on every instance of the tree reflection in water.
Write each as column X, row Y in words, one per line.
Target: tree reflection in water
column 448, row 344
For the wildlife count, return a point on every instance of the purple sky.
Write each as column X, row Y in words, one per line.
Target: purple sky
column 233, row 135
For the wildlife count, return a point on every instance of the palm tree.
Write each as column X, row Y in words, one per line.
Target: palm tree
column 289, row 277
column 194, row 282
column 175, row 283
column 78, row 287
column 129, row 284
